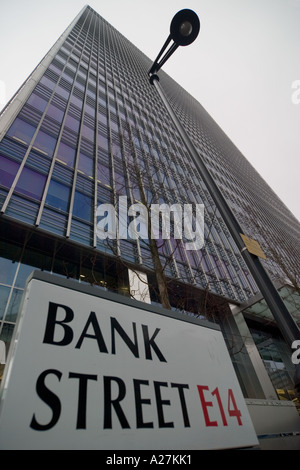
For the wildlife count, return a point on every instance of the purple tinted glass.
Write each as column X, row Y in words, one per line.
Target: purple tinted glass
column 45, row 143
column 48, row 83
column 120, row 183
column 104, row 174
column 72, row 123
column 82, row 206
column 37, row 102
column 31, row 183
column 55, row 113
column 88, row 133
column 8, row 171
column 58, row 195
column 90, row 110
column 103, row 142
column 66, row 154
column 21, row 130
column 85, row 164
column 62, row 92
column 76, row 101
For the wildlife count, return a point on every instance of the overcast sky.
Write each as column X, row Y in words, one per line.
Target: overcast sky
column 241, row 68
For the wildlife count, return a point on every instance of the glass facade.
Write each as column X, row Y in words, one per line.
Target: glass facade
column 92, row 130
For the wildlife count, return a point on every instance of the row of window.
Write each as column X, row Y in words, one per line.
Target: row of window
column 59, row 191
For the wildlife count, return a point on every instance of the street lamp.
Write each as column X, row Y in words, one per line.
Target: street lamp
column 184, row 29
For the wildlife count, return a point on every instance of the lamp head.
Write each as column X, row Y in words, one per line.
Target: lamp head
column 185, row 27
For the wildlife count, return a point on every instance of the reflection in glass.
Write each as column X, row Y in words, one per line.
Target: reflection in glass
column 14, row 304
column 7, row 266
column 31, row 183
column 37, row 102
column 4, row 293
column 45, row 143
column 58, row 195
column 72, row 123
column 55, row 113
column 66, row 154
column 82, row 206
column 88, row 132
column 104, row 174
column 8, row 171
column 24, row 271
column 22, row 130
column 47, row 82
column 85, row 164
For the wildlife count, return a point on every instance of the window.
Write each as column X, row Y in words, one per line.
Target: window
column 88, row 133
column 104, row 174
column 22, row 130
column 82, row 206
column 47, row 82
column 8, row 171
column 31, row 183
column 45, row 143
column 85, row 165
column 62, row 92
column 76, row 101
column 4, row 293
column 37, row 102
column 103, row 142
column 66, row 154
column 72, row 123
column 8, row 264
column 120, row 183
column 58, row 195
column 55, row 113
column 13, row 307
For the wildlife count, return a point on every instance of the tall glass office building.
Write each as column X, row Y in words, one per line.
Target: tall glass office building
column 87, row 128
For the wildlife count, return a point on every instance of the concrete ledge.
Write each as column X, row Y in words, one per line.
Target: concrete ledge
column 276, row 422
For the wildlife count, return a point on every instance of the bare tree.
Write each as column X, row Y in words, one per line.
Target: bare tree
column 159, row 252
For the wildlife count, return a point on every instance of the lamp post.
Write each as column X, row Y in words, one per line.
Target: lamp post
column 184, row 29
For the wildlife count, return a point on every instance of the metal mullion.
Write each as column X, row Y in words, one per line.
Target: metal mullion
column 68, row 230
column 50, row 173
column 118, row 241
column 109, row 133
column 124, row 151
column 95, row 205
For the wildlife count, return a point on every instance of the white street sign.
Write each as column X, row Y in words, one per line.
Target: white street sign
column 96, row 371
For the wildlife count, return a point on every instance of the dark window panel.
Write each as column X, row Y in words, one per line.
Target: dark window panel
column 31, row 183
column 22, row 130
column 82, row 206
column 58, row 195
column 8, row 171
